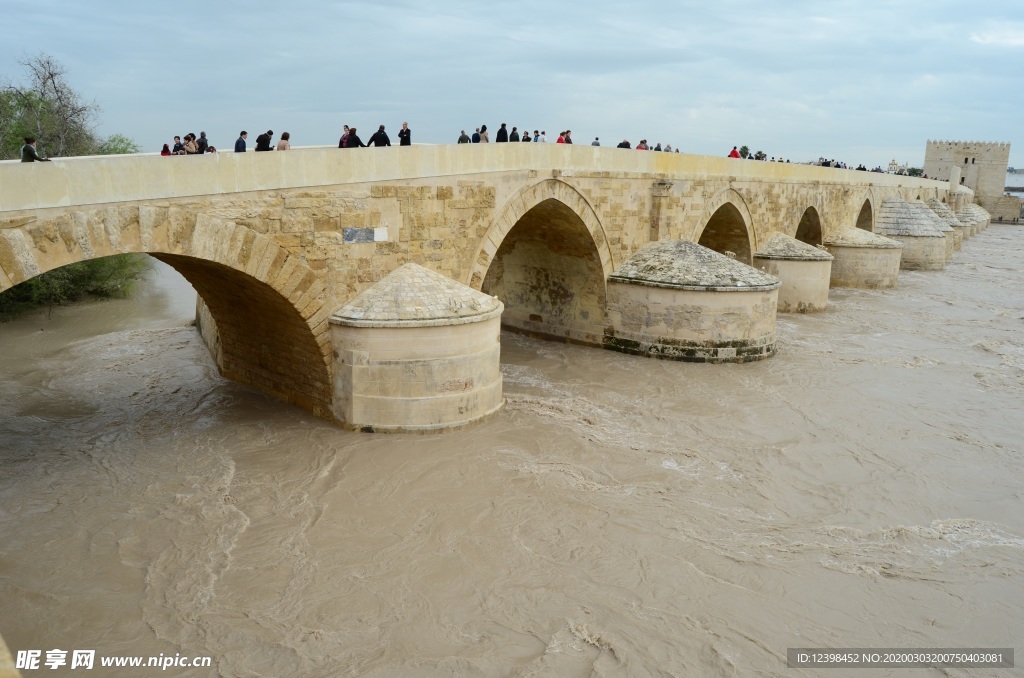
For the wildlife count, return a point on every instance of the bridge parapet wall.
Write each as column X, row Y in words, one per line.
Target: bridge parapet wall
column 70, row 182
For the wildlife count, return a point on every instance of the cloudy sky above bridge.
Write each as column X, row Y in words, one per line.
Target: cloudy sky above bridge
column 856, row 80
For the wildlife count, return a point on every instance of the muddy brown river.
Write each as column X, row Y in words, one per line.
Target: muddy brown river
column 621, row 517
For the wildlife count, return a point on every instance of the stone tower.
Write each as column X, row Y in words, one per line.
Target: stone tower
column 982, row 169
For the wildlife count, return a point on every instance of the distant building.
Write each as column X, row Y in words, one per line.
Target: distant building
column 983, row 167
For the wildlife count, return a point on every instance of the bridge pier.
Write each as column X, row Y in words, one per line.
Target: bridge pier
column 416, row 352
column 805, row 272
column 681, row 301
column 863, row 259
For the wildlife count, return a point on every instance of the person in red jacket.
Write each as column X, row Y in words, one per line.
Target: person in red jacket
column 734, row 153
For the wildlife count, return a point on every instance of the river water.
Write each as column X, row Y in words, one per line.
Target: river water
column 621, row 516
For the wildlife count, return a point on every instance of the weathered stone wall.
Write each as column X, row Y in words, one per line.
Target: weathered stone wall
column 1007, row 207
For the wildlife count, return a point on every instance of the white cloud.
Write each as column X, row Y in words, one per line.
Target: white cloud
column 1007, row 37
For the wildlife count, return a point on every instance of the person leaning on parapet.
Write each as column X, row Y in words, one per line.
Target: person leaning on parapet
column 405, row 135
column 595, row 142
column 29, row 153
column 734, row 153
column 624, row 144
column 285, row 143
column 240, row 142
column 526, row 136
column 343, row 141
column 464, row 138
column 379, row 138
column 202, row 143
column 263, row 141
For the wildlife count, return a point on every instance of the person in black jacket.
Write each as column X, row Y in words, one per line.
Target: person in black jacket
column 502, row 134
column 379, row 138
column 263, row 141
column 405, row 135
column 353, row 139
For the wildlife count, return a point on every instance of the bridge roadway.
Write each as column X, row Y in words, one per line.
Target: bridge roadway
column 276, row 242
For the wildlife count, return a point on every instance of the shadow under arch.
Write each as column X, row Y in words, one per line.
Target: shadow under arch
column 726, row 227
column 866, row 216
column 268, row 308
column 546, row 258
column 809, row 228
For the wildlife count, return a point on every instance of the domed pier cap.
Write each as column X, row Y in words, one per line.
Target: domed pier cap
column 686, row 265
column 858, row 237
column 976, row 212
column 900, row 218
column 942, row 210
column 414, row 296
column 937, row 222
column 781, row 246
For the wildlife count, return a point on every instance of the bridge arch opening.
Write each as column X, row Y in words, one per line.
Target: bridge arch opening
column 265, row 312
column 257, row 336
column 726, row 231
column 865, row 220
column 548, row 272
column 809, row 229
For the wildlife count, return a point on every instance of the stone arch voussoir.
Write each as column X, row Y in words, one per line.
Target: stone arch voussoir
column 521, row 203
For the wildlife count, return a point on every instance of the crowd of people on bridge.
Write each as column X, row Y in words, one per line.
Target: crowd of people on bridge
column 192, row 145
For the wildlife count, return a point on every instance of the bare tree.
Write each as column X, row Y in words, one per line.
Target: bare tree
column 48, row 108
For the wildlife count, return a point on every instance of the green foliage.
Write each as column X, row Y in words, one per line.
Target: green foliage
column 914, row 171
column 744, row 151
column 104, row 278
column 118, row 144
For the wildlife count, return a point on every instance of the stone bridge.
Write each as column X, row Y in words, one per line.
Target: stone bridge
column 274, row 243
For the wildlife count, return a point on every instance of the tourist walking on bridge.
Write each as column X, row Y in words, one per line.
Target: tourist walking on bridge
column 405, row 135
column 734, row 153
column 379, row 138
column 463, row 138
column 240, row 142
column 502, row 135
column 484, row 137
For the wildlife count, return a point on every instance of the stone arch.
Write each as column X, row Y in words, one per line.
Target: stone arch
column 269, row 308
column 866, row 216
column 546, row 257
column 726, row 226
column 809, row 228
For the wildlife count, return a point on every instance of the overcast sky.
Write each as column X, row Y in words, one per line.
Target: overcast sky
column 855, row 80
